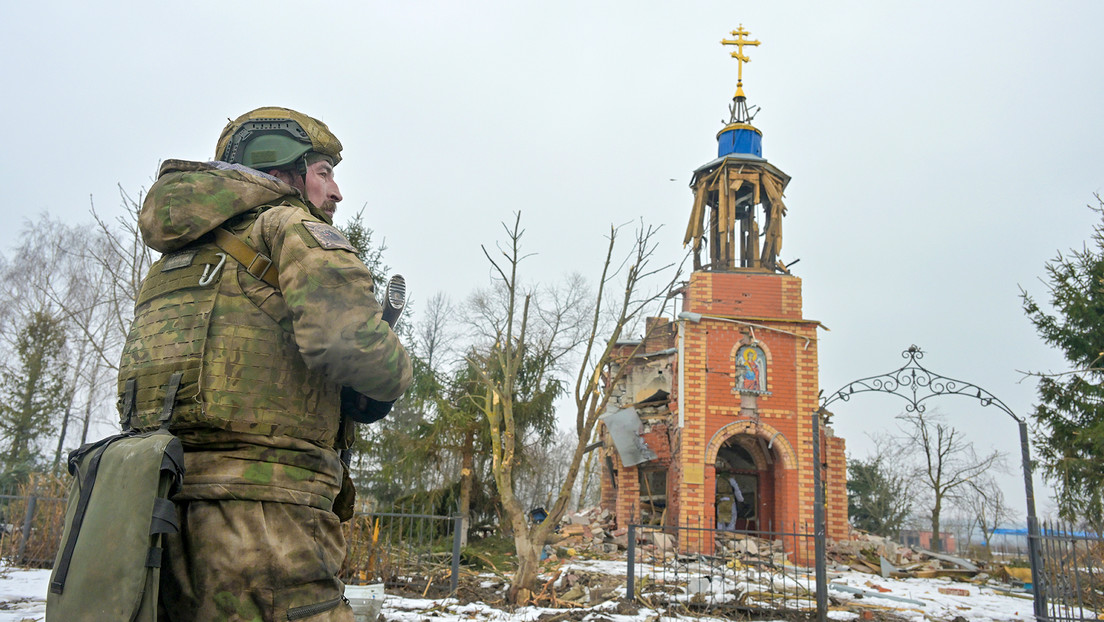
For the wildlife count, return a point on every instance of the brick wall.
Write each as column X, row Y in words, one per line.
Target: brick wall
column 835, row 489
column 744, row 294
column 766, row 308
column 772, row 305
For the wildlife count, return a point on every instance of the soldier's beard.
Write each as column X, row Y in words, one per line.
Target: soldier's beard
column 329, row 207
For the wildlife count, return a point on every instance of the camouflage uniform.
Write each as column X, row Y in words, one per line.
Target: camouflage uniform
column 260, row 373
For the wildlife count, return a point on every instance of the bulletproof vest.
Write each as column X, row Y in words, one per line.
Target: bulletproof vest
column 229, row 337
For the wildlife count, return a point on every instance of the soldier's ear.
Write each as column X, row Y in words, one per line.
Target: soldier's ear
column 289, row 178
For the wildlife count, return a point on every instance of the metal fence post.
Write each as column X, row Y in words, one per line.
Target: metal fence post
column 819, row 527
column 631, row 570
column 1038, row 578
column 458, row 530
column 28, row 519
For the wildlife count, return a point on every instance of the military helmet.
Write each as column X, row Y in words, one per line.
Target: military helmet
column 268, row 138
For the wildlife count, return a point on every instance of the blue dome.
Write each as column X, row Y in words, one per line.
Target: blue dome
column 740, row 138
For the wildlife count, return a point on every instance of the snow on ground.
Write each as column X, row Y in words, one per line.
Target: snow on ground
column 23, row 594
column 23, row 599
column 981, row 604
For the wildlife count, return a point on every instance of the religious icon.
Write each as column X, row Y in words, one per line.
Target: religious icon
column 751, row 370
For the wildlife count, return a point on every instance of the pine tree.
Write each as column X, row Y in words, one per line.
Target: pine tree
column 878, row 499
column 1069, row 418
column 359, row 235
column 32, row 393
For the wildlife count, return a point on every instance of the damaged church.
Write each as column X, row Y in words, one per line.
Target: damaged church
column 710, row 419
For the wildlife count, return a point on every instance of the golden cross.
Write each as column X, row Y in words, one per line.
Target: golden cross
column 739, row 55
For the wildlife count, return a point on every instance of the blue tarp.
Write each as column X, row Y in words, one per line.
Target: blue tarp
column 1046, row 532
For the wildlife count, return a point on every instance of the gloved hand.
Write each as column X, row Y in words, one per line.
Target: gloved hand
column 361, row 408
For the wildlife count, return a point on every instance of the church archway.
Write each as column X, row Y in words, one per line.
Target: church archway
column 752, row 464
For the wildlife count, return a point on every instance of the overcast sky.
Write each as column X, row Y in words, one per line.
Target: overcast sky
column 941, row 152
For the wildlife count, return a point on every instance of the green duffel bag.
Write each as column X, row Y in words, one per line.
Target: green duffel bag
column 109, row 562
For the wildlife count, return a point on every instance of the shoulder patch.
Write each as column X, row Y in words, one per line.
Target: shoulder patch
column 179, row 259
column 327, row 237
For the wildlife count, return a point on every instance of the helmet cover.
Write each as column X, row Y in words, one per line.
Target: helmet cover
column 272, row 137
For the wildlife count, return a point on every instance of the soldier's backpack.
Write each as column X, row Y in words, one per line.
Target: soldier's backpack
column 108, row 566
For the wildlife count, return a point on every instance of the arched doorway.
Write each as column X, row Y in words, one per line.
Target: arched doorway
column 744, row 484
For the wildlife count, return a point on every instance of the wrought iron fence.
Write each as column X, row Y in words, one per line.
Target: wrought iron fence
column 1071, row 574
column 32, row 517
column 411, row 552
column 730, row 573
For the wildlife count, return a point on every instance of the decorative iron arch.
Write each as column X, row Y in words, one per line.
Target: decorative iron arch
column 916, row 384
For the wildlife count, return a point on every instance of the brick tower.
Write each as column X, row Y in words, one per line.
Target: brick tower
column 711, row 422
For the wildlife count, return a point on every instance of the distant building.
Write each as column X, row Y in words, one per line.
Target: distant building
column 922, row 539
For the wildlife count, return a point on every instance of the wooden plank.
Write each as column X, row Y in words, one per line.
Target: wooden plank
column 753, row 242
column 774, row 210
column 694, row 227
column 725, row 251
column 943, row 572
column 774, row 191
column 713, row 243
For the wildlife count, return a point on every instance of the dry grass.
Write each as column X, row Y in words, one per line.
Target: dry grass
column 47, row 494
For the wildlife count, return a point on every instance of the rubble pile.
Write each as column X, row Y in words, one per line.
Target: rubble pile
column 881, row 556
column 592, row 531
column 878, row 555
column 750, row 549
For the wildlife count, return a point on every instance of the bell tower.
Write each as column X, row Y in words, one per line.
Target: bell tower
column 748, row 378
column 738, row 209
column 710, row 427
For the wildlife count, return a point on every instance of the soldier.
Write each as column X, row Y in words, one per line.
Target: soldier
column 245, row 332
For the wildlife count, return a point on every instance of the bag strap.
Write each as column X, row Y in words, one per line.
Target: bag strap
column 166, row 519
column 127, row 411
column 170, row 399
column 256, row 263
column 172, row 465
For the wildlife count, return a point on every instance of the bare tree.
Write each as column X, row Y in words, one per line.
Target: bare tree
column 587, row 496
column 87, row 276
column 34, row 262
column 40, row 263
column 83, row 292
column 544, row 466
column 94, row 280
column 948, row 464
column 523, row 329
column 117, row 260
column 985, row 502
column 434, row 335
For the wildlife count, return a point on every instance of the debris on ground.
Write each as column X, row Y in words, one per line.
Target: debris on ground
column 882, row 556
column 592, row 531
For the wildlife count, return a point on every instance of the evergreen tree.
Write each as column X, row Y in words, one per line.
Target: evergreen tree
column 360, row 236
column 878, row 500
column 33, row 392
column 1069, row 418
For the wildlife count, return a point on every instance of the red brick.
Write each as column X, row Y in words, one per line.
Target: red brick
column 709, row 404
